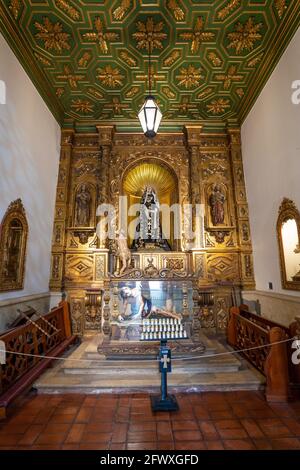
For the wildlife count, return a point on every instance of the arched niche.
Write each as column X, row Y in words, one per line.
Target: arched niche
column 288, row 235
column 13, row 240
column 157, row 174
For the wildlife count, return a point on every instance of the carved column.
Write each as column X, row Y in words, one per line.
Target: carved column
column 60, row 217
column 193, row 142
column 241, row 209
column 106, row 134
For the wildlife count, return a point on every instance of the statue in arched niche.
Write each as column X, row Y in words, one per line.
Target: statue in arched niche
column 217, row 200
column 148, row 229
column 83, row 201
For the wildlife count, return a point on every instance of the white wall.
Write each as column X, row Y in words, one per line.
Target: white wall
column 271, row 154
column 29, row 155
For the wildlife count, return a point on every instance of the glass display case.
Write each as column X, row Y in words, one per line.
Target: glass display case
column 135, row 301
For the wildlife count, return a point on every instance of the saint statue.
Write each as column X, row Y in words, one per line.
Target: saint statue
column 216, row 202
column 148, row 229
column 83, row 207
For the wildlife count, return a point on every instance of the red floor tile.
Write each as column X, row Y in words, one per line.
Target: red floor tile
column 233, row 420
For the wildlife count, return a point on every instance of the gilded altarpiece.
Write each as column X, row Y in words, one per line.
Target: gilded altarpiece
column 206, row 169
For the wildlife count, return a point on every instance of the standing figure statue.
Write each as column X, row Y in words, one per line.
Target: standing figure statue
column 148, row 229
column 83, row 207
column 216, row 202
column 123, row 252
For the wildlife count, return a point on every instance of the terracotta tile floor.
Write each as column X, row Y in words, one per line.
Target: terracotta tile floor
column 212, row 420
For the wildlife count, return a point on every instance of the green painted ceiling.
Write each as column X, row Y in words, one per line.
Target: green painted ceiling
column 89, row 59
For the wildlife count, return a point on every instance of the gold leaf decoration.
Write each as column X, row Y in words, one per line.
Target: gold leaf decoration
column 149, row 35
column 205, row 92
column 280, row 6
column 110, row 77
column 231, row 5
column 245, row 36
column 65, row 6
column 117, row 106
column 214, row 59
column 84, row 59
column 43, row 60
column 103, row 38
column 131, row 61
column 82, row 106
column 70, row 77
column 185, row 105
column 218, row 106
column 229, row 77
column 132, row 92
column 52, row 35
column 171, row 58
column 59, row 92
column 197, row 36
column 121, row 10
column 253, row 62
column 14, row 7
column 95, row 93
column 176, row 10
column 168, row 92
column 240, row 92
column 189, row 77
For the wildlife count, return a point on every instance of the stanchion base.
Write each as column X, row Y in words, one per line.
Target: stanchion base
column 170, row 404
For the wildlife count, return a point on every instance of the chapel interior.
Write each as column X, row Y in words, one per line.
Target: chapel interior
column 150, row 225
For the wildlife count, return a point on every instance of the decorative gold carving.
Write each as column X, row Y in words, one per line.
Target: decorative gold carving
column 214, row 59
column 129, row 59
column 65, row 6
column 197, row 36
column 70, row 77
column 189, row 77
column 42, row 60
column 52, row 35
column 222, row 267
column 82, row 106
column 175, row 264
column 228, row 9
column 171, row 59
column 110, row 77
column 281, row 6
column 149, row 35
column 84, row 59
column 121, row 11
column 100, row 36
column 287, row 211
column 218, row 106
column 79, row 268
column 99, row 267
column 77, row 314
column 245, row 36
column 93, row 310
column 176, row 10
column 253, row 62
column 229, row 77
column 13, row 240
column 15, row 6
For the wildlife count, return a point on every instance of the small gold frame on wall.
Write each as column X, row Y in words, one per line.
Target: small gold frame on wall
column 13, row 240
column 288, row 211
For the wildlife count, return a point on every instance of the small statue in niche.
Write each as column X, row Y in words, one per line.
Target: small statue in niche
column 83, row 207
column 217, row 202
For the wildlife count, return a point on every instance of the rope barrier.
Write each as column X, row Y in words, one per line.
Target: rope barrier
column 174, row 359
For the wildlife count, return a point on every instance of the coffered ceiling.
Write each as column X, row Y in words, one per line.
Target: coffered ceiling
column 89, row 58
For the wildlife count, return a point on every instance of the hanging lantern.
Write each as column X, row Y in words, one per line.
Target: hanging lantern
column 150, row 116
